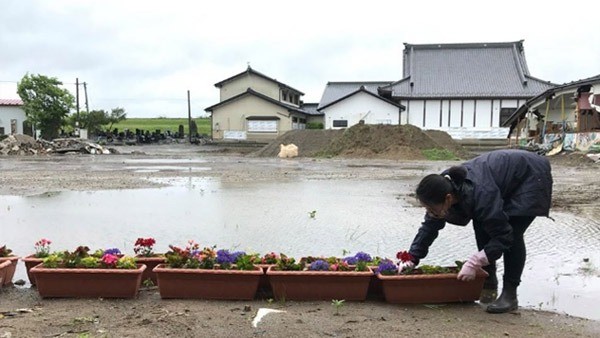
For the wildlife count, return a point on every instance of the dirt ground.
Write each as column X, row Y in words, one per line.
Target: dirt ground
column 24, row 314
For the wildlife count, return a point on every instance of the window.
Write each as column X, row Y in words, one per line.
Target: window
column 340, row 123
column 505, row 113
column 262, row 126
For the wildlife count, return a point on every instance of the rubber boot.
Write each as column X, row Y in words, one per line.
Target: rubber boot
column 506, row 302
column 490, row 288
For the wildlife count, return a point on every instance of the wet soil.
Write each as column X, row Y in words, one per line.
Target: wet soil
column 576, row 190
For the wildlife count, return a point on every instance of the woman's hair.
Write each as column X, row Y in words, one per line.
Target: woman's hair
column 432, row 189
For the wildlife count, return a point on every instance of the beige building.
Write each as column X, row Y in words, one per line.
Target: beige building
column 255, row 107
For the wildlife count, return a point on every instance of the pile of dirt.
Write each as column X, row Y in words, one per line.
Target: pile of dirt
column 366, row 141
column 309, row 141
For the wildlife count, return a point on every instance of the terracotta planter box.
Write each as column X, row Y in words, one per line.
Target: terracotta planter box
column 3, row 269
column 151, row 263
column 436, row 288
column 30, row 262
column 9, row 271
column 319, row 285
column 207, row 284
column 87, row 283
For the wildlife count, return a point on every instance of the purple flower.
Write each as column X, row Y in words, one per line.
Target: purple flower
column 113, row 251
column 350, row 260
column 319, row 265
column 387, row 267
column 363, row 257
column 224, row 257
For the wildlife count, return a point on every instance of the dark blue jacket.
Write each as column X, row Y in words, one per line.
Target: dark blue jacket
column 499, row 184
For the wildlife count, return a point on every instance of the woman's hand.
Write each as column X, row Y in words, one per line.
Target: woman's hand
column 474, row 263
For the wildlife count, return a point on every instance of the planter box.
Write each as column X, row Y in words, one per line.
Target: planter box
column 319, row 285
column 436, row 288
column 87, row 283
column 30, row 262
column 3, row 269
column 151, row 263
column 207, row 284
column 9, row 271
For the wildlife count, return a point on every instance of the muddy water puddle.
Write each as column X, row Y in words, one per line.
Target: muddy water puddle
column 298, row 218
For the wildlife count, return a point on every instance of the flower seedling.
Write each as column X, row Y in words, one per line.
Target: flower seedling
column 337, row 304
column 4, row 251
column 144, row 247
column 42, row 248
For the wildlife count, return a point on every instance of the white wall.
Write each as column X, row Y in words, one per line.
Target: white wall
column 361, row 106
column 8, row 113
column 469, row 115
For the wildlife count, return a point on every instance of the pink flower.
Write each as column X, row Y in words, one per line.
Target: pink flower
column 110, row 260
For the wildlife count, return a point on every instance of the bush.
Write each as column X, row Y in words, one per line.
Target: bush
column 314, row 125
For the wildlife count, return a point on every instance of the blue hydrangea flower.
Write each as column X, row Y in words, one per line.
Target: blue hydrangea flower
column 319, row 265
column 113, row 251
column 362, row 257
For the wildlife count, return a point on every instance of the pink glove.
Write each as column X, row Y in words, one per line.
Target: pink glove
column 474, row 263
column 405, row 266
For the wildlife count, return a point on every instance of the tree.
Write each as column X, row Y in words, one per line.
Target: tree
column 92, row 121
column 46, row 104
column 116, row 115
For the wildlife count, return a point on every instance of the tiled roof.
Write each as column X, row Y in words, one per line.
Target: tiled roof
column 11, row 102
column 311, row 109
column 250, row 91
column 522, row 110
column 336, row 90
column 249, row 70
column 466, row 70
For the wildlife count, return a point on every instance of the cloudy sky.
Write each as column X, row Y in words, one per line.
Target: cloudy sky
column 145, row 55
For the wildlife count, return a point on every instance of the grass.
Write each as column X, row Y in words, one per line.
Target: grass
column 164, row 124
column 437, row 154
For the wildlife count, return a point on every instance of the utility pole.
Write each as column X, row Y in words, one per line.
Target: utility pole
column 87, row 107
column 77, row 96
column 77, row 105
column 189, row 117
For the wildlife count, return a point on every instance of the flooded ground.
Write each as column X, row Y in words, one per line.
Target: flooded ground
column 299, row 207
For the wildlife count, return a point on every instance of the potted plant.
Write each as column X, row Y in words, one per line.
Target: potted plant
column 3, row 269
column 319, row 279
column 144, row 253
column 42, row 250
column 78, row 274
column 9, row 271
column 207, row 274
column 427, row 283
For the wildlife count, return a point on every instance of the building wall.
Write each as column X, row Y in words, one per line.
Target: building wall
column 231, row 119
column 478, row 118
column 8, row 113
column 257, row 83
column 361, row 106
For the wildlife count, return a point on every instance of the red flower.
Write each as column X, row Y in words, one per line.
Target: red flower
column 404, row 256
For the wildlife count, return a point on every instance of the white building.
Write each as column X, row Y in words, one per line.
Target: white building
column 348, row 103
column 468, row 90
column 12, row 116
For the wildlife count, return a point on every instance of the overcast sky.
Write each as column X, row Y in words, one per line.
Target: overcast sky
column 145, row 55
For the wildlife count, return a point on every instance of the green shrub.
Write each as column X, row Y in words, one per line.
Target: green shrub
column 314, row 125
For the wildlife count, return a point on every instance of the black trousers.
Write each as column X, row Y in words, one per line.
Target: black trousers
column 514, row 257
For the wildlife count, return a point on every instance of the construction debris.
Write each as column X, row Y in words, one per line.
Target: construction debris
column 27, row 145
